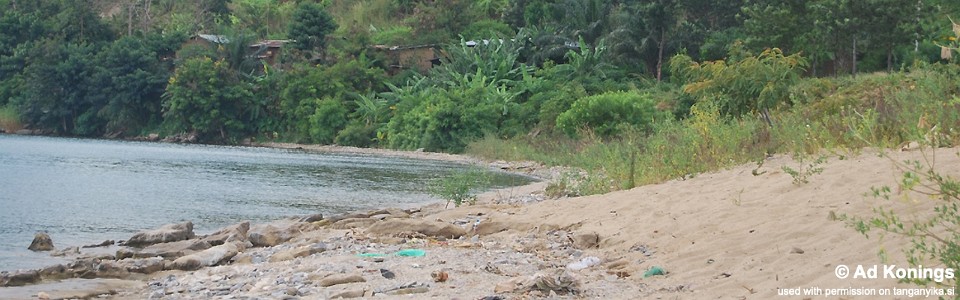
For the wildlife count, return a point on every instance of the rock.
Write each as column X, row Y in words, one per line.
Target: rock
column 153, row 137
column 387, row 274
column 81, row 267
column 232, row 233
column 165, row 234
column 439, row 276
column 107, row 269
column 353, row 223
column 312, row 218
column 171, row 250
column 381, row 217
column 242, row 258
column 356, row 215
column 493, row 226
column 796, row 250
column 348, row 294
column 509, row 286
column 340, row 279
column 206, row 258
column 41, row 242
column 20, row 278
column 298, row 252
column 53, row 272
column 588, row 240
column 101, row 244
column 269, row 235
column 72, row 289
column 43, row 296
column 425, row 227
column 409, row 291
column 67, row 251
column 143, row 266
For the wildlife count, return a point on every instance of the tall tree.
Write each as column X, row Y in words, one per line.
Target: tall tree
column 202, row 98
column 133, row 82
column 310, row 26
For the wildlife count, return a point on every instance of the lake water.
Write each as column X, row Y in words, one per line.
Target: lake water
column 84, row 191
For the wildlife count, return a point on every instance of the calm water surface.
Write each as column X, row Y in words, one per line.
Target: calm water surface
column 86, row 191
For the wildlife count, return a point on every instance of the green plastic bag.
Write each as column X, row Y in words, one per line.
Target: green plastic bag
column 654, row 271
column 411, row 253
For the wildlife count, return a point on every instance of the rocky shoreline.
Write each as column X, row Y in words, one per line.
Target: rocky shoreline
column 361, row 254
column 317, row 257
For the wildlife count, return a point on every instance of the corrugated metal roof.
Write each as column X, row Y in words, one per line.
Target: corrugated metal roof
column 271, row 43
column 218, row 39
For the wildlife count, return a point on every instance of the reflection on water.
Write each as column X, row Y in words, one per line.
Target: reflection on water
column 86, row 191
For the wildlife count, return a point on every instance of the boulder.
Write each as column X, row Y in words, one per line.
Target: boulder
column 312, row 218
column 101, row 244
column 23, row 277
column 143, row 266
column 298, row 252
column 268, row 237
column 353, row 223
column 206, row 258
column 72, row 289
column 53, row 272
column 66, row 252
column 272, row 234
column 232, row 233
column 340, row 279
column 80, row 267
column 41, row 242
column 165, row 234
column 348, row 294
column 355, row 215
column 106, row 269
column 170, row 250
column 153, row 137
column 425, row 227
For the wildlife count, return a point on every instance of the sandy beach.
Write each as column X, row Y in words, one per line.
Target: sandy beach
column 741, row 233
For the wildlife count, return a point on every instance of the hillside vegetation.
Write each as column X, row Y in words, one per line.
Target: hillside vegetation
column 630, row 91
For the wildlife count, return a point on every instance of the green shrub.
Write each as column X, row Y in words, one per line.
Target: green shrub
column 487, row 29
column 357, row 135
column 606, row 114
column 9, row 119
column 395, row 35
column 328, row 119
column 934, row 240
column 740, row 86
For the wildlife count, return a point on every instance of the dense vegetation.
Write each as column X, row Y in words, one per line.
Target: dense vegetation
column 585, row 83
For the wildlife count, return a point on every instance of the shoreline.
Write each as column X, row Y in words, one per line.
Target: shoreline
column 103, row 254
column 737, row 232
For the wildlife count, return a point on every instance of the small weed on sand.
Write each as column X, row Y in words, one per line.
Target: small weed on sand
column 802, row 174
column 458, row 187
